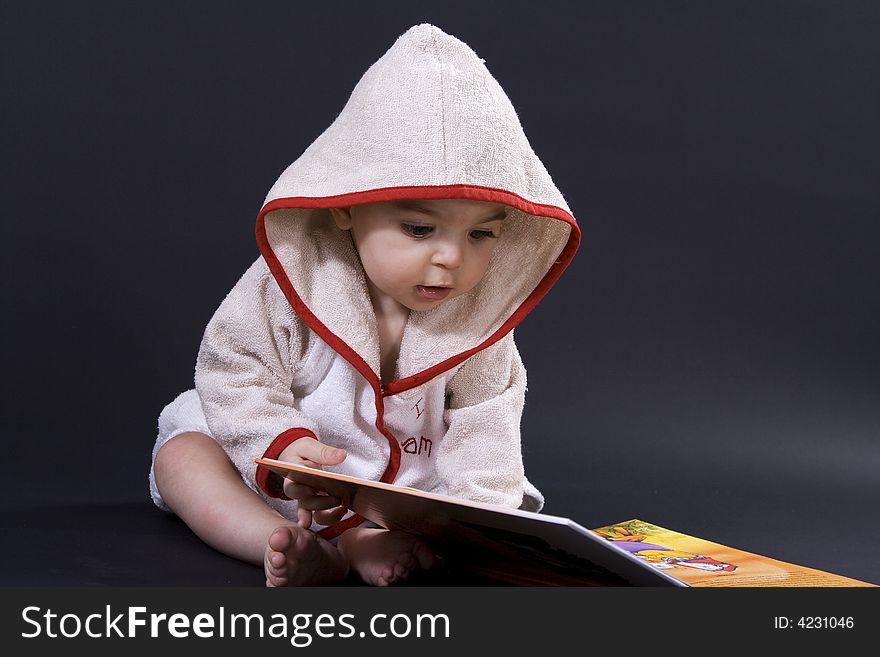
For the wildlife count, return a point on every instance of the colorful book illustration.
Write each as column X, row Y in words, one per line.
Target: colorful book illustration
column 698, row 562
column 536, row 549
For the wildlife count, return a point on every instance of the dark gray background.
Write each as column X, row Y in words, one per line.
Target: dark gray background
column 709, row 362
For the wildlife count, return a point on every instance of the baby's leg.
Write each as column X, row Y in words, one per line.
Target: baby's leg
column 384, row 558
column 201, row 485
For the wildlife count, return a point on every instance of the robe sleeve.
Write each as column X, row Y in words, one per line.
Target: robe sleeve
column 480, row 457
column 250, row 352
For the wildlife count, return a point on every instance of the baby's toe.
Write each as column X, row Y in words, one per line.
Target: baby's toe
column 276, row 580
column 407, row 560
column 424, row 555
column 277, row 560
column 388, row 576
column 280, row 539
column 401, row 572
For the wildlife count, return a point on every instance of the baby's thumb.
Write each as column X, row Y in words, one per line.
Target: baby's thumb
column 331, row 455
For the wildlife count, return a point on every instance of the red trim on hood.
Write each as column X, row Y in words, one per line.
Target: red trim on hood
column 473, row 192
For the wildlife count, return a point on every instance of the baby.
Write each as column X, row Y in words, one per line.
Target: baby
column 374, row 337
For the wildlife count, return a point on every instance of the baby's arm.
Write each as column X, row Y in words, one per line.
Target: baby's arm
column 480, row 457
column 249, row 354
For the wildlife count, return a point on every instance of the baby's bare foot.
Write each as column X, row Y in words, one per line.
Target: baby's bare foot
column 299, row 557
column 385, row 558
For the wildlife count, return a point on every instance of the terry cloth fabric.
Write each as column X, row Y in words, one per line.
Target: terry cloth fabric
column 293, row 350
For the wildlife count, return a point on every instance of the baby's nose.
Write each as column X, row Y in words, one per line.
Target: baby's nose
column 449, row 255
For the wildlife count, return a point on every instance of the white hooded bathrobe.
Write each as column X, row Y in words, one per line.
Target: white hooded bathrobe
column 293, row 350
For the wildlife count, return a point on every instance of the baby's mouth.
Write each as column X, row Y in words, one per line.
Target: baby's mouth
column 432, row 292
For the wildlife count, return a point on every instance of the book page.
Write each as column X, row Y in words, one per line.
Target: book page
column 702, row 563
column 505, row 544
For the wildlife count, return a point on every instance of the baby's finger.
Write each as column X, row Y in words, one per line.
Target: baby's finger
column 304, row 518
column 297, row 491
column 318, row 454
column 330, row 517
column 318, row 502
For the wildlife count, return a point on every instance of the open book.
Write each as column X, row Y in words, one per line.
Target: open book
column 536, row 549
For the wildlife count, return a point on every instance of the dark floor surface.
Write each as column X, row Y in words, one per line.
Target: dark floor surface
column 135, row 544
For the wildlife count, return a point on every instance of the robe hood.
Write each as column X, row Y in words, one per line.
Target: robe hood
column 426, row 121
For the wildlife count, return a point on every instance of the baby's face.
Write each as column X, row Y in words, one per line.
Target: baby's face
column 422, row 253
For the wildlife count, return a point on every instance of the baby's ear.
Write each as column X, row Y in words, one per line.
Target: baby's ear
column 342, row 217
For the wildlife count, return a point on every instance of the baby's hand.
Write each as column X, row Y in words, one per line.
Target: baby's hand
column 310, row 452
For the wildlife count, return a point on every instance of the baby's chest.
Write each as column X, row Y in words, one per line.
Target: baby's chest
column 418, row 412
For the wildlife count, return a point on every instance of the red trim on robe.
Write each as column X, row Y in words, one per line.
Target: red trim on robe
column 268, row 481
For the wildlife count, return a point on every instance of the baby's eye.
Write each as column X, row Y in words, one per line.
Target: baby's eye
column 483, row 234
column 417, row 230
